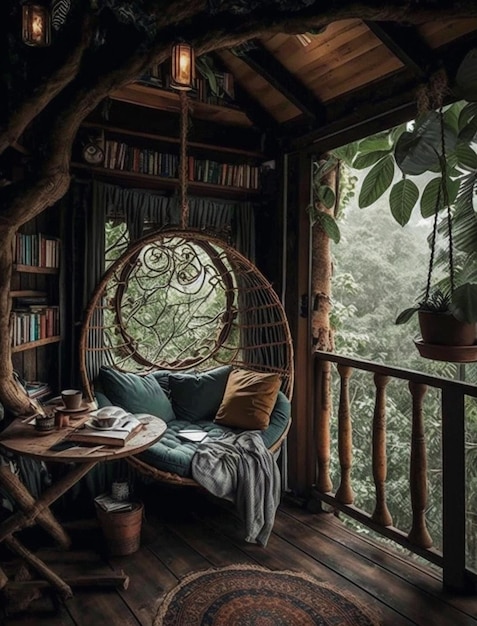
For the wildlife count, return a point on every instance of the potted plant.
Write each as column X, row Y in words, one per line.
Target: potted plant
column 441, row 320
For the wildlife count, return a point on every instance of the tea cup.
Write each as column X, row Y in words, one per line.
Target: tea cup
column 72, row 398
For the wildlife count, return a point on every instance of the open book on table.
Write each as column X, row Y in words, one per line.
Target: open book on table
column 127, row 426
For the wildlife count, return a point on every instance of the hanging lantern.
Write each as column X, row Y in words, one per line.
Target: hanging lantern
column 36, row 25
column 183, row 67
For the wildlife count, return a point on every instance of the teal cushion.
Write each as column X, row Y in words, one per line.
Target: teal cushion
column 171, row 454
column 198, row 396
column 279, row 419
column 136, row 394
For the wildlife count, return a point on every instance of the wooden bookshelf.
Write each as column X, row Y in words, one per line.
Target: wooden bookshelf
column 251, row 154
column 27, row 293
column 35, row 269
column 30, row 345
column 159, row 183
column 157, row 98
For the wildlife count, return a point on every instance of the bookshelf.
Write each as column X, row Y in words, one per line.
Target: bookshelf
column 151, row 160
column 35, row 311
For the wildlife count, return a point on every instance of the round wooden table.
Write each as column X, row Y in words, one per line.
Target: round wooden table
column 21, row 438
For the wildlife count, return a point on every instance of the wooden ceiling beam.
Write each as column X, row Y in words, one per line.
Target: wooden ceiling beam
column 381, row 105
column 406, row 44
column 258, row 58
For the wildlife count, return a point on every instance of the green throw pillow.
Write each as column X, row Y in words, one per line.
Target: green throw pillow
column 136, row 394
column 198, row 396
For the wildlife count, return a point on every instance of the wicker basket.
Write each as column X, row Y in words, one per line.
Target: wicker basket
column 121, row 529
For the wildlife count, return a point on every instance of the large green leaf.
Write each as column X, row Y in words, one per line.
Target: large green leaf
column 464, row 302
column 430, row 196
column 376, row 181
column 402, row 199
column 466, row 156
column 418, row 151
column 328, row 224
column 469, row 131
column 369, row 158
column 375, row 143
column 467, row 114
column 346, row 153
column 464, row 222
column 466, row 77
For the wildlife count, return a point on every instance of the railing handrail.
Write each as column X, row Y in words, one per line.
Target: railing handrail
column 398, row 372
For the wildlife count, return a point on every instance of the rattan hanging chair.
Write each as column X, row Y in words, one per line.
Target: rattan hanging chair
column 184, row 300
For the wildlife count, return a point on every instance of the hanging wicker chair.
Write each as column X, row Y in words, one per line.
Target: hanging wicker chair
column 182, row 300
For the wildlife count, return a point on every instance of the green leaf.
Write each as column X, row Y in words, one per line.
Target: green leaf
column 326, row 196
column 418, row 151
column 466, row 156
column 346, row 153
column 369, row 158
column 464, row 302
column 376, row 181
column 469, row 131
column 467, row 114
column 406, row 315
column 466, row 77
column 430, row 196
column 328, row 225
column 375, row 143
column 402, row 199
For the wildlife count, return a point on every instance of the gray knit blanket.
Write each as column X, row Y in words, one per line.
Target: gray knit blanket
column 240, row 468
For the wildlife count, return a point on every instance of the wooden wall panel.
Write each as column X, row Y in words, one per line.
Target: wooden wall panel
column 437, row 34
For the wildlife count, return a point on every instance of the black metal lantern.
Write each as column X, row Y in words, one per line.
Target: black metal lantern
column 36, row 25
column 183, row 67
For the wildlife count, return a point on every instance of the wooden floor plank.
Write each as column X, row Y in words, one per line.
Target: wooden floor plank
column 189, row 531
column 425, row 578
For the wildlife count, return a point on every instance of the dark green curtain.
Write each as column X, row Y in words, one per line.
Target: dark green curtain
column 142, row 209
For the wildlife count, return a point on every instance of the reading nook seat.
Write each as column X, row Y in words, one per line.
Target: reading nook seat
column 185, row 328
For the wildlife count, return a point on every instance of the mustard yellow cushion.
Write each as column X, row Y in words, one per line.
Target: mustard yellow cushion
column 248, row 400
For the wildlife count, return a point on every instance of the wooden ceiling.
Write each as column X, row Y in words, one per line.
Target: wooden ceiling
column 353, row 78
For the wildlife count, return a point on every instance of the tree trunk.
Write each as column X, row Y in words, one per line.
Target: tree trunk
column 321, row 272
column 11, row 394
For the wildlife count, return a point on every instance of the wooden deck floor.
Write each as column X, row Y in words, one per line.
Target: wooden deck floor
column 187, row 531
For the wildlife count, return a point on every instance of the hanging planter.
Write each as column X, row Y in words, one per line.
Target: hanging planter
column 447, row 316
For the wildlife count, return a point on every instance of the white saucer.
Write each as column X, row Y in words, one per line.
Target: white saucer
column 81, row 409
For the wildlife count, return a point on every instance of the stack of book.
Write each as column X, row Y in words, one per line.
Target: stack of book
column 126, row 427
column 109, row 504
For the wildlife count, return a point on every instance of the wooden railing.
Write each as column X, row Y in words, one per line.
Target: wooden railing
column 452, row 559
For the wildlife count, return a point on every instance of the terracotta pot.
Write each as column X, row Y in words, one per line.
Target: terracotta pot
column 445, row 329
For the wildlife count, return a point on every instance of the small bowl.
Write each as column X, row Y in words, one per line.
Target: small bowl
column 45, row 424
column 104, row 421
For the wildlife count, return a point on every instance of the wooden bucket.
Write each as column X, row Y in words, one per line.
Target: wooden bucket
column 121, row 529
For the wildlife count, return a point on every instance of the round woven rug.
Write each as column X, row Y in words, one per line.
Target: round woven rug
column 248, row 595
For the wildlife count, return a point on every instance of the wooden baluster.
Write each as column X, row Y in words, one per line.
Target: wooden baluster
column 381, row 513
column 345, row 442
column 418, row 534
column 322, row 425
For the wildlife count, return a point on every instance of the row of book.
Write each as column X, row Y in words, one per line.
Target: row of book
column 37, row 250
column 39, row 322
column 228, row 174
column 121, row 156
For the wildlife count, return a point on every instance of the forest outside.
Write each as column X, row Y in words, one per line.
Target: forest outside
column 378, row 267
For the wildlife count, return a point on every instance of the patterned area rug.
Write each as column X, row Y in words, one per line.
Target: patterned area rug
column 247, row 595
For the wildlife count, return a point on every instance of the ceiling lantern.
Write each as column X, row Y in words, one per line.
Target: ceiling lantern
column 36, row 25
column 183, row 67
